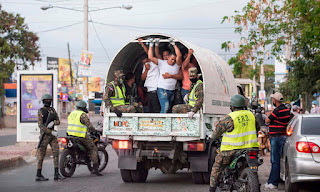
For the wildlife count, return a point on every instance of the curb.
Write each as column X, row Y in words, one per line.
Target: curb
column 12, row 162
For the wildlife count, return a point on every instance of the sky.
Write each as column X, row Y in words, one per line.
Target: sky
column 194, row 21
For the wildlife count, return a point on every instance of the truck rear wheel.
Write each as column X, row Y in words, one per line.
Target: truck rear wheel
column 140, row 174
column 197, row 177
column 126, row 175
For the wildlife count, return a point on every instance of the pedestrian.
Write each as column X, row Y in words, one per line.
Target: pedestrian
column 239, row 130
column 195, row 96
column 278, row 119
column 170, row 72
column 78, row 126
column 132, row 92
column 47, row 119
column 115, row 95
column 295, row 110
column 315, row 107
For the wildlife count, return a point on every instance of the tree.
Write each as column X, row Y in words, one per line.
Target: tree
column 17, row 46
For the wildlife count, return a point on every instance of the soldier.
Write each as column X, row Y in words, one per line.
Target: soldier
column 193, row 98
column 78, row 126
column 236, row 134
column 47, row 119
column 115, row 97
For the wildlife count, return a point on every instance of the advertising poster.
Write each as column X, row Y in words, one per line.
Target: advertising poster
column 52, row 63
column 10, row 108
column 32, row 87
column 94, row 84
column 64, row 70
column 86, row 59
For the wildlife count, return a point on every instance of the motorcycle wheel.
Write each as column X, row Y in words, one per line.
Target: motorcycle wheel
column 103, row 159
column 67, row 165
column 252, row 181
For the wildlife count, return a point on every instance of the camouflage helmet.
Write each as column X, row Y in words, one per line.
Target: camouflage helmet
column 46, row 96
column 81, row 104
column 238, row 101
column 118, row 73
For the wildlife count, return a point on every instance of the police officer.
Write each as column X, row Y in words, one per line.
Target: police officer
column 239, row 129
column 194, row 98
column 78, row 126
column 47, row 119
column 115, row 95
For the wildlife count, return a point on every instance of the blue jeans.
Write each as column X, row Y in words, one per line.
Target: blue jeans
column 276, row 143
column 183, row 93
column 166, row 99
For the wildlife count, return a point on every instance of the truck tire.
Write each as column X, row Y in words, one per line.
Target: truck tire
column 140, row 174
column 252, row 180
column 126, row 175
column 67, row 163
column 212, row 157
column 197, row 177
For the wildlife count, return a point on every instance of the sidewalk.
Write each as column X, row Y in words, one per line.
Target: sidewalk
column 24, row 152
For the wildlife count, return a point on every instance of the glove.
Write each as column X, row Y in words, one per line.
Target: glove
column 157, row 41
column 54, row 133
column 190, row 114
column 151, row 42
column 118, row 113
column 171, row 41
column 186, row 98
column 50, row 125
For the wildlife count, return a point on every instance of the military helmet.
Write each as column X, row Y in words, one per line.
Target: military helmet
column 238, row 101
column 81, row 104
column 46, row 96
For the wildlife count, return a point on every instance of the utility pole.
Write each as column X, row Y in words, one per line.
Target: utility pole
column 71, row 77
column 254, row 77
column 85, row 43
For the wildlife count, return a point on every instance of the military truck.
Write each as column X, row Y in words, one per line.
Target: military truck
column 170, row 142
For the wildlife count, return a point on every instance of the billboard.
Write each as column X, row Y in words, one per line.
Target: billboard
column 94, row 84
column 31, row 90
column 64, row 70
column 52, row 63
column 86, row 59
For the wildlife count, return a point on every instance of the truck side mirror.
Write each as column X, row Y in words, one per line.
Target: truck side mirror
column 209, row 126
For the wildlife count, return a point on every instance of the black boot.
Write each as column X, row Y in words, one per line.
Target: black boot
column 95, row 170
column 57, row 175
column 212, row 189
column 40, row 177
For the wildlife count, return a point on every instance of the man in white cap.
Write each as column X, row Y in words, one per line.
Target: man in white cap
column 278, row 120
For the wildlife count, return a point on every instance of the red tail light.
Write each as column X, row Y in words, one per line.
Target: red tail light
column 307, row 147
column 62, row 140
column 193, row 146
column 122, row 144
column 252, row 154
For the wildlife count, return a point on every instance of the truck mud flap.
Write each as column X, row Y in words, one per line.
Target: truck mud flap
column 127, row 159
column 198, row 162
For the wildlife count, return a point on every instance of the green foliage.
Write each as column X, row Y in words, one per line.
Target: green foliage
column 17, row 45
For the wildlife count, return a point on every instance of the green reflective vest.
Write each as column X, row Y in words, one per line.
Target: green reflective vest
column 119, row 96
column 244, row 134
column 192, row 95
column 75, row 127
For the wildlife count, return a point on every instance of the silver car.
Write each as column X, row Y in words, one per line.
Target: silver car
column 301, row 153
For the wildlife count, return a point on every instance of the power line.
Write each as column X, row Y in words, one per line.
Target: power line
column 99, row 38
column 62, row 27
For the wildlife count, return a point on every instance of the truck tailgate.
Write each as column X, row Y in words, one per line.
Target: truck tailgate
column 147, row 124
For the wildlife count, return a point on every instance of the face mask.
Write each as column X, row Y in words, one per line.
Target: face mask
column 313, row 106
column 120, row 80
column 85, row 110
column 194, row 80
column 274, row 104
column 47, row 103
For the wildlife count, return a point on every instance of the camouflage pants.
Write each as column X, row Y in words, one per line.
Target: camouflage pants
column 52, row 140
column 88, row 143
column 222, row 160
column 126, row 108
column 138, row 108
column 182, row 108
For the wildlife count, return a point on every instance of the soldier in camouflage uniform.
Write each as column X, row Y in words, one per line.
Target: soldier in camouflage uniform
column 75, row 127
column 227, row 125
column 194, row 97
column 114, row 96
column 47, row 119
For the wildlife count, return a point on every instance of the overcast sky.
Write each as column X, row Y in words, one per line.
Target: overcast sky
column 146, row 16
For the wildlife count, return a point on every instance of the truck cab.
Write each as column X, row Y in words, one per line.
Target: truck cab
column 170, row 142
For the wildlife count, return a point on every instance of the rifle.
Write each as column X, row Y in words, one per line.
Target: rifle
column 42, row 134
column 133, row 95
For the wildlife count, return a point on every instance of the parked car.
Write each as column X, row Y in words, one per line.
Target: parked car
column 301, row 155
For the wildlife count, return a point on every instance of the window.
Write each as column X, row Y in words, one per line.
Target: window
column 291, row 126
column 310, row 126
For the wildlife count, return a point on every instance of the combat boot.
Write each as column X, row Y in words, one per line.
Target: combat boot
column 57, row 175
column 40, row 177
column 212, row 189
column 95, row 170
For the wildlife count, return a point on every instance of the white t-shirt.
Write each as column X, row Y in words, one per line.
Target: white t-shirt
column 151, row 82
column 164, row 67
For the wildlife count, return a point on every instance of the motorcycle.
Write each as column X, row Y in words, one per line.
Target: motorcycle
column 242, row 173
column 75, row 153
column 264, row 141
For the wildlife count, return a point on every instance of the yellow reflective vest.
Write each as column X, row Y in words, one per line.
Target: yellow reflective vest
column 75, row 127
column 119, row 96
column 192, row 95
column 244, row 134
